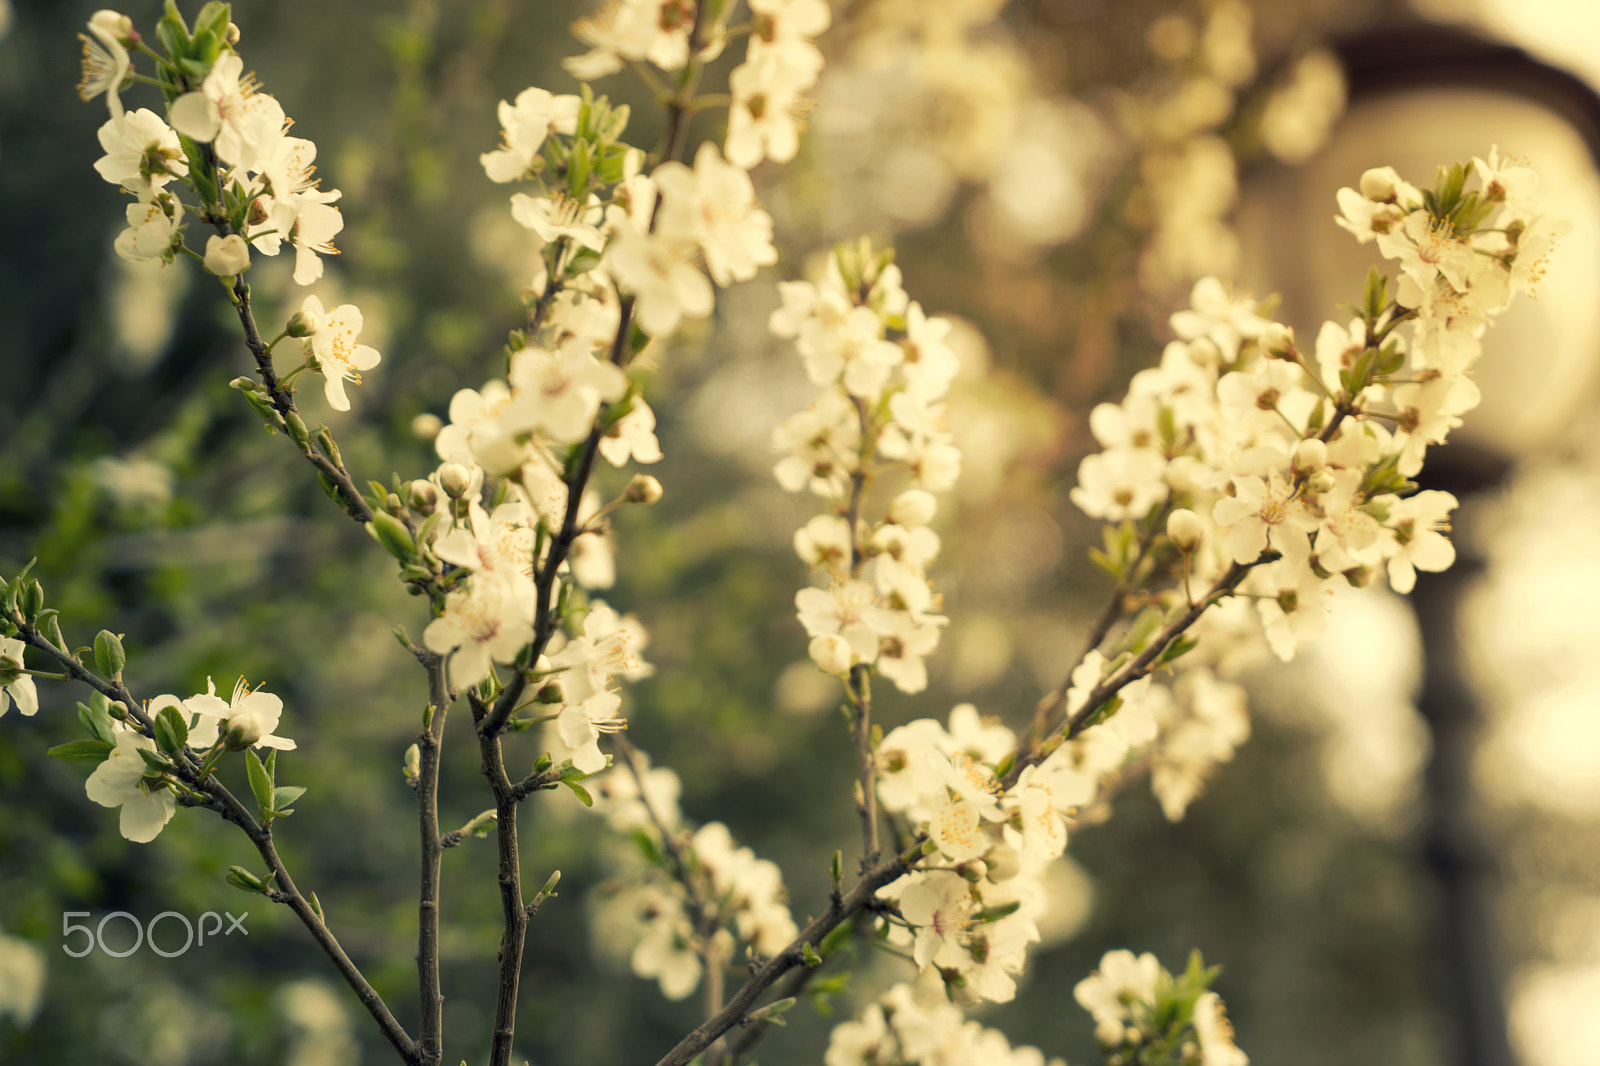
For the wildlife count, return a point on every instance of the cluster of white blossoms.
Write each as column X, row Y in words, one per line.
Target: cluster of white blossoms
column 971, row 915
column 1140, row 1009
column 261, row 173
column 766, row 89
column 702, row 900
column 1238, row 453
column 128, row 776
column 1243, row 448
column 914, row 1023
column 251, row 181
column 884, row 369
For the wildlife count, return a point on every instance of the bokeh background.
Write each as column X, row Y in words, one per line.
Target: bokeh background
column 1402, row 866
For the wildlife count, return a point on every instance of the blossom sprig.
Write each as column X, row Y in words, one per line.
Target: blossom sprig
column 685, row 912
column 1245, row 469
column 915, row 1024
column 883, row 369
column 1144, row 1014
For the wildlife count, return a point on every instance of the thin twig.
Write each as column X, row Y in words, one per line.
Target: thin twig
column 859, row 898
column 430, row 1036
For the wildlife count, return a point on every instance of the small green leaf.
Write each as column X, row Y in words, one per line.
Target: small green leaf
column 241, row 878
column 94, row 751
column 284, row 796
column 994, row 914
column 260, row 780
column 837, row 937
column 153, row 760
column 109, row 658
column 96, row 719
column 172, row 730
column 809, row 956
column 581, row 792
column 648, row 847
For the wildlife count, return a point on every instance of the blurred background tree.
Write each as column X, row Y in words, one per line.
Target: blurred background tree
column 1055, row 172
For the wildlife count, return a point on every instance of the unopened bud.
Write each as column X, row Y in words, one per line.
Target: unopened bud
column 831, row 653
column 227, row 256
column 242, row 729
column 424, row 496
column 1378, row 185
column 116, row 25
column 1185, row 529
column 1109, row 1033
column 304, row 323
column 643, row 489
column 914, row 507
column 550, row 693
column 393, row 504
column 455, row 479
column 233, row 33
column 1310, row 455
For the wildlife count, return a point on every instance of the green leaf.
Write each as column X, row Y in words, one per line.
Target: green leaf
column 837, row 937
column 809, row 956
column 1179, row 646
column 284, row 796
column 95, row 751
column 153, row 760
column 647, row 847
column 172, row 730
column 994, row 914
column 241, row 878
column 581, row 792
column 96, row 720
column 260, row 780
column 109, row 658
column 390, row 532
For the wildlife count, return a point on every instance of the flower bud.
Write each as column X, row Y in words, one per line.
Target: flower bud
column 304, row 323
column 456, row 479
column 242, row 729
column 1109, row 1033
column 232, row 35
column 643, row 489
column 1185, row 529
column 227, row 256
column 115, row 25
column 1378, row 185
column 424, row 496
column 914, row 507
column 550, row 694
column 1310, row 455
column 426, row 426
column 831, row 653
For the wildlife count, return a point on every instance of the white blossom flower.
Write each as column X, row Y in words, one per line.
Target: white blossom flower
column 524, row 126
column 714, row 204
column 337, row 353
column 489, row 620
column 106, row 63
column 227, row 111
column 254, row 714
column 142, row 152
column 152, row 228
column 15, row 686
column 123, row 780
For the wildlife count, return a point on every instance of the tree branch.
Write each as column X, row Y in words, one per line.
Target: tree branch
column 430, row 1036
column 859, row 897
